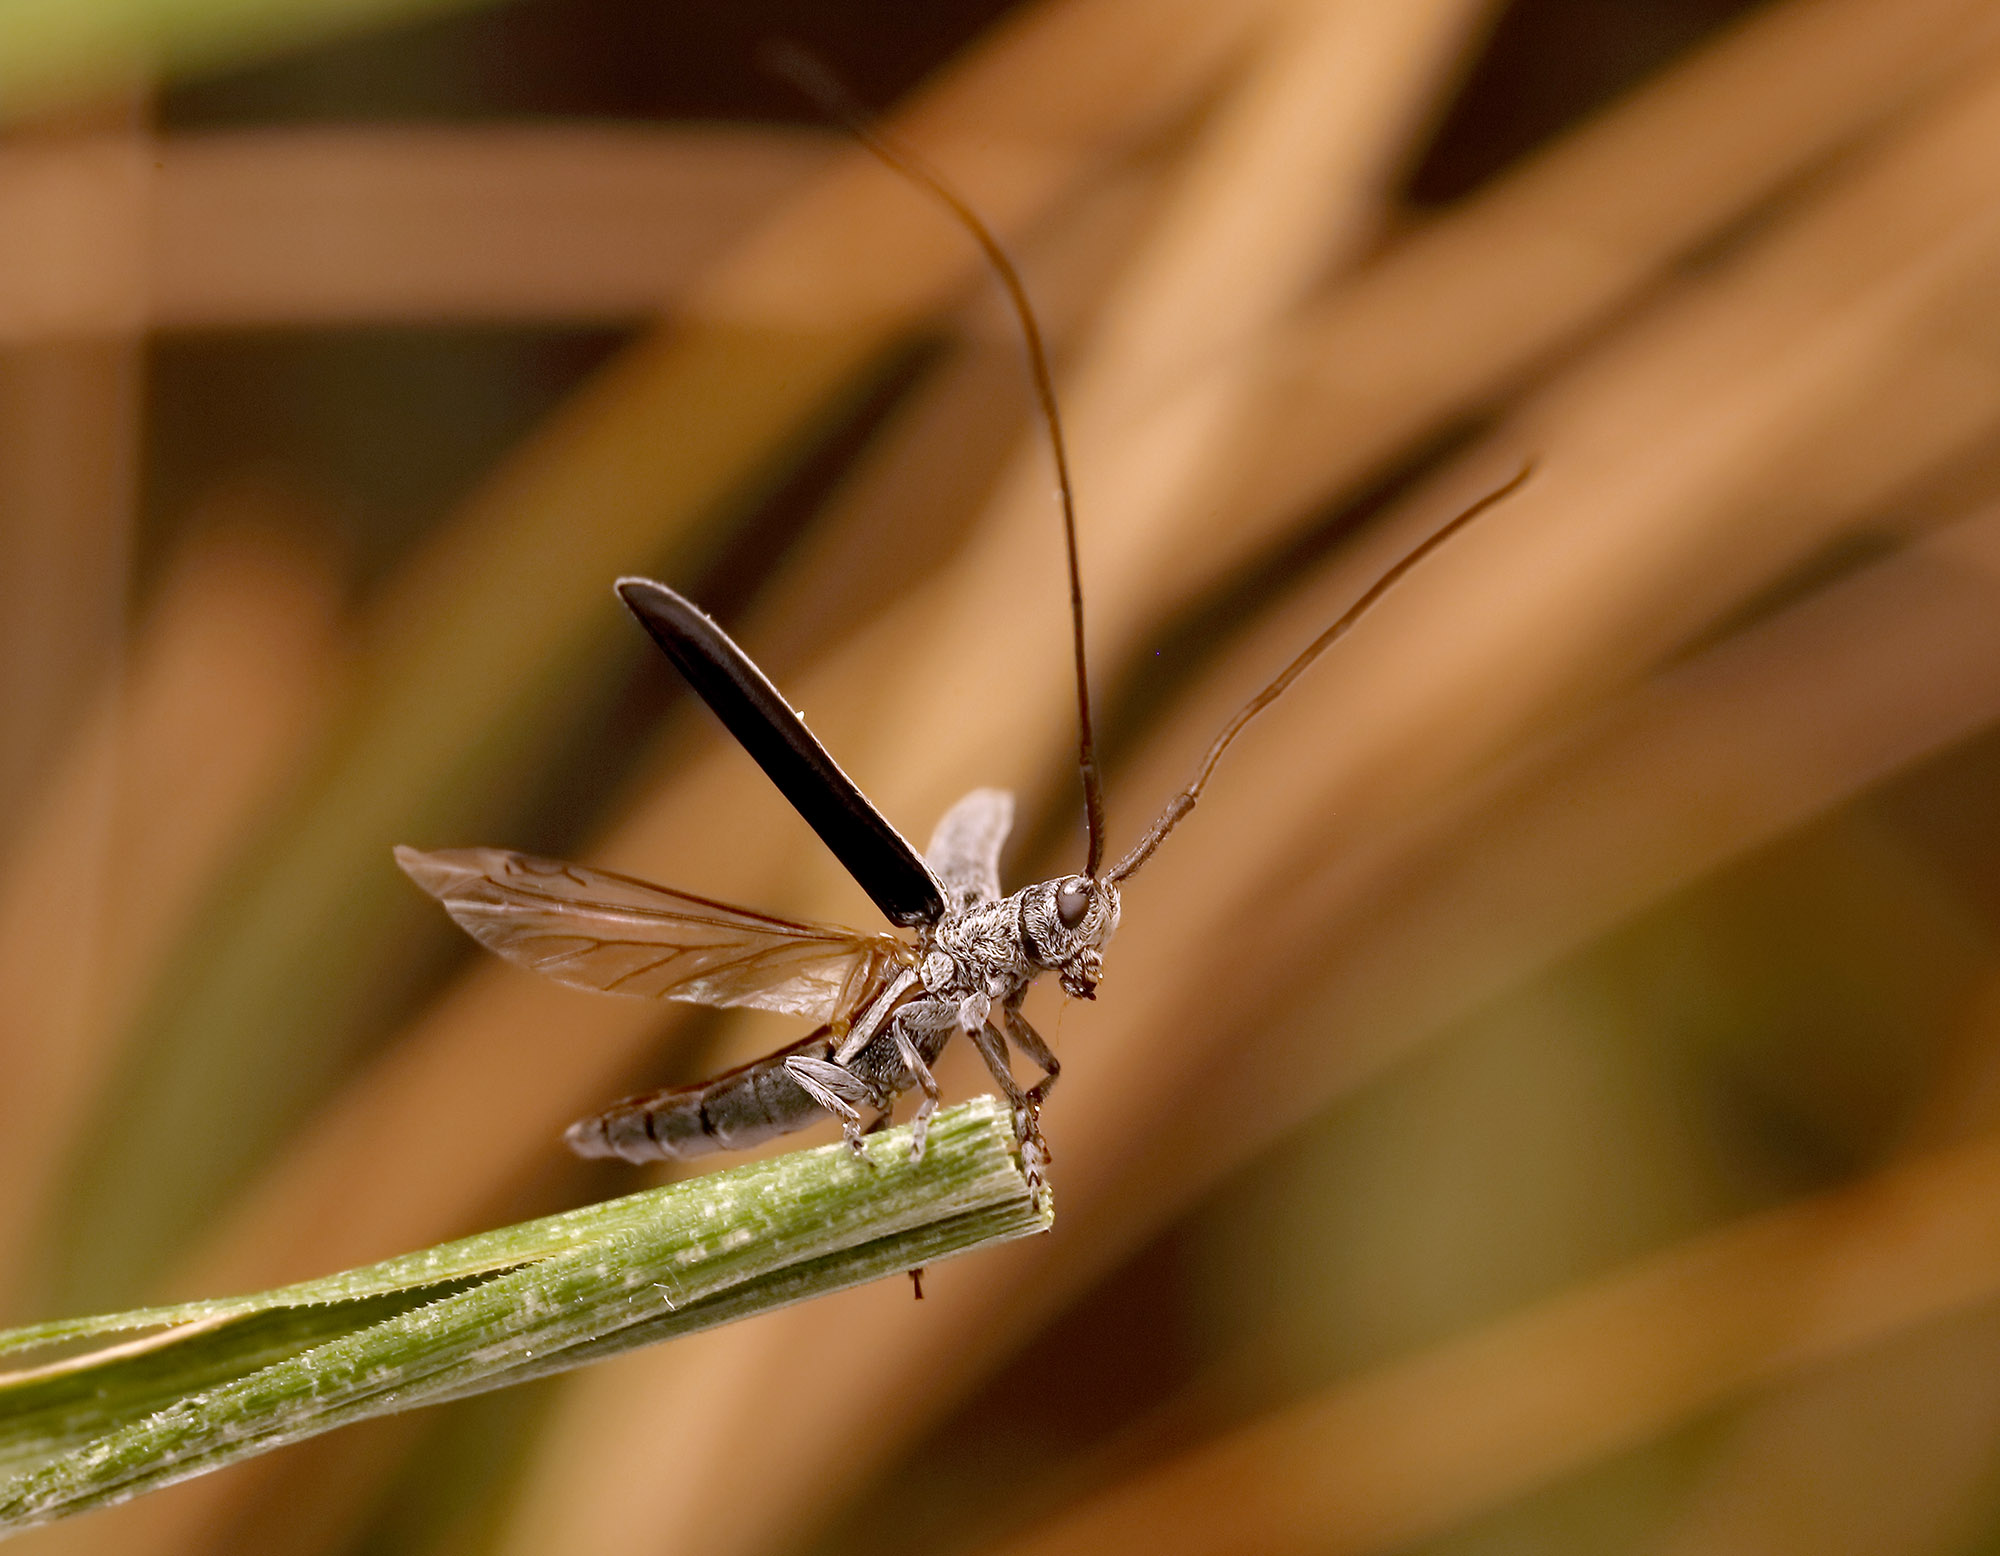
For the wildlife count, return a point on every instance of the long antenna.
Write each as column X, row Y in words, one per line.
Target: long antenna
column 815, row 81
column 1183, row 802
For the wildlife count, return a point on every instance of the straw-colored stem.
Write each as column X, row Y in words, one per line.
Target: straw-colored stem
column 68, row 463
column 351, row 226
column 227, row 680
column 1492, row 289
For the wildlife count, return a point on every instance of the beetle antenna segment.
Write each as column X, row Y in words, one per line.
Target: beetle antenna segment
column 1183, row 802
column 812, row 78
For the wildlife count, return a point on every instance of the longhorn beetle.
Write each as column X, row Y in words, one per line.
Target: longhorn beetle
column 884, row 1005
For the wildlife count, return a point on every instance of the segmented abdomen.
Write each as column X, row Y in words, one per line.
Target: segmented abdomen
column 739, row 1108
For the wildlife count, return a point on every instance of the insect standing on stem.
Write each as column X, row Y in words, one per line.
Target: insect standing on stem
column 884, row 1005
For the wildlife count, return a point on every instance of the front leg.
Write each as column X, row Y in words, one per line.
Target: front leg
column 918, row 1028
column 1035, row 1154
column 1030, row 1043
column 930, row 1017
column 993, row 1049
column 913, row 1064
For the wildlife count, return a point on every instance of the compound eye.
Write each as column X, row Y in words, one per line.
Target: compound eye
column 1072, row 902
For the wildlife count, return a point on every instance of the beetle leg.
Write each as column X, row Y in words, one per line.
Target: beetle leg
column 835, row 1088
column 1030, row 1043
column 913, row 1062
column 1035, row 1154
column 861, row 1028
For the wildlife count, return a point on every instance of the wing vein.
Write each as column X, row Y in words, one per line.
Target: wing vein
column 596, row 930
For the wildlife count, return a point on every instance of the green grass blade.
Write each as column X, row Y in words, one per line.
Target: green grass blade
column 58, row 51
column 208, row 1383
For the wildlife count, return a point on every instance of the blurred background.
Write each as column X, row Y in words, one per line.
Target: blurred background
column 1544, row 1100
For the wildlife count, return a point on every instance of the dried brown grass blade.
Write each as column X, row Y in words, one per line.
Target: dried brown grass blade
column 1497, row 287
column 912, row 498
column 359, row 225
column 68, row 460
column 1290, row 182
column 73, row 215
column 182, row 749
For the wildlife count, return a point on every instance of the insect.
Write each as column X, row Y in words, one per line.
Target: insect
column 884, row 1004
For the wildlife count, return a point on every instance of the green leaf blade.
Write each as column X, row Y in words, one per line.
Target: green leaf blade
column 499, row 1309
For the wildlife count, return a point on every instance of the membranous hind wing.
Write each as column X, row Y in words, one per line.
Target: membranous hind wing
column 964, row 851
column 596, row 930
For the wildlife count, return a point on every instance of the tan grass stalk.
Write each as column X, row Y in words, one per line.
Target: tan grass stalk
column 1887, row 1452
column 358, row 225
column 75, row 227
column 593, row 223
column 1289, row 183
column 69, row 431
column 1498, row 287
column 226, row 682
column 70, row 414
column 911, row 500
column 68, row 451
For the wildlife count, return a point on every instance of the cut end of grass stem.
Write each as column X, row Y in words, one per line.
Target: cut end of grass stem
column 95, row 1411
